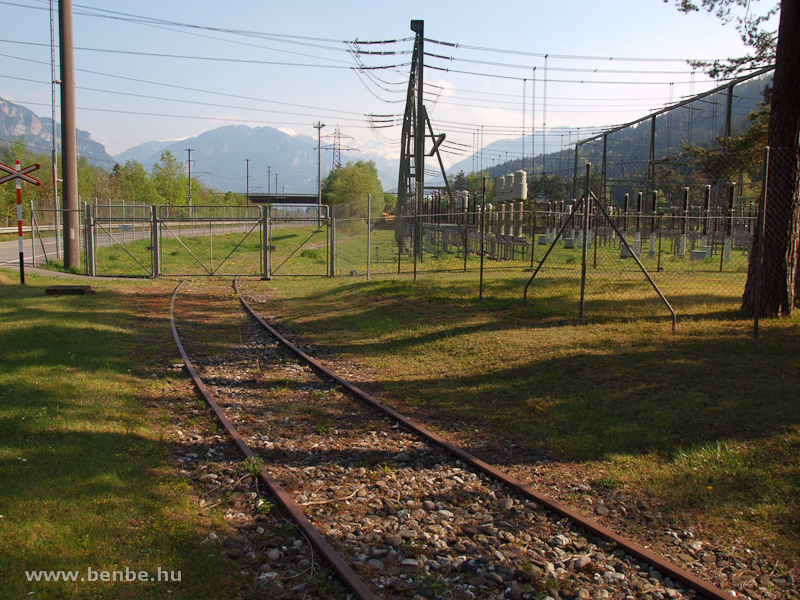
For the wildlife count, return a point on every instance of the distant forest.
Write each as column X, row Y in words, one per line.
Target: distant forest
column 688, row 152
column 700, row 123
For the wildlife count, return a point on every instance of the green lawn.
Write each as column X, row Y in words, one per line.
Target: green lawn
column 706, row 420
column 85, row 476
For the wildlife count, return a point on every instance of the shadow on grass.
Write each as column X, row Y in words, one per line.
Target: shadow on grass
column 81, row 465
column 707, row 408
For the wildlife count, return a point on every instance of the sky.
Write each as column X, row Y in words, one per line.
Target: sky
column 559, row 71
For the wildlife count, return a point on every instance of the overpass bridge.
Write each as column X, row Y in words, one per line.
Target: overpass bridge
column 283, row 198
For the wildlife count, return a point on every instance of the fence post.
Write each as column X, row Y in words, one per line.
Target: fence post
column 332, row 272
column 483, row 236
column 583, row 245
column 155, row 250
column 369, row 233
column 90, row 240
column 33, row 237
column 761, row 227
column 265, row 242
column 415, row 226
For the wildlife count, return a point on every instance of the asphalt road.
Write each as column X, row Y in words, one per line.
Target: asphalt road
column 45, row 248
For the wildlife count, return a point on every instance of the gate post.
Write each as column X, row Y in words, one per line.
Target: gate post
column 89, row 233
column 265, row 242
column 155, row 241
column 332, row 271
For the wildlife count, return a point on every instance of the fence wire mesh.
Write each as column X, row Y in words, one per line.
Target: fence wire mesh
column 210, row 240
column 774, row 288
column 690, row 225
column 615, row 241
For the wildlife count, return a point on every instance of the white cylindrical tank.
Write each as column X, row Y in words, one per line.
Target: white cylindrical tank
column 519, row 189
column 509, row 187
column 499, row 188
column 462, row 200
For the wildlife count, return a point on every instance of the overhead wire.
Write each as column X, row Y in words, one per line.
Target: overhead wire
column 564, row 56
column 193, row 89
column 370, row 81
column 250, row 61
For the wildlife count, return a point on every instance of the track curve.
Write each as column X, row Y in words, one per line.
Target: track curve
column 342, row 569
column 346, row 574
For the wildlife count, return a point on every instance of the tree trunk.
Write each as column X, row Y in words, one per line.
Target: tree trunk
column 780, row 284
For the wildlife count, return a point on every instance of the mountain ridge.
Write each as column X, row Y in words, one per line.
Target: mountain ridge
column 17, row 120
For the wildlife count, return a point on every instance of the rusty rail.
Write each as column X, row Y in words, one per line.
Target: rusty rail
column 632, row 548
column 348, row 577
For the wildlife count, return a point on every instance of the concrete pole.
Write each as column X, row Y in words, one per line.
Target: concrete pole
column 318, row 126
column 418, row 27
column 189, row 163
column 247, row 176
column 69, row 145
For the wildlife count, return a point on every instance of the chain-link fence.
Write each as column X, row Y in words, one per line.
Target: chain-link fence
column 685, row 237
column 678, row 234
column 298, row 240
column 122, row 236
column 46, row 240
column 210, row 240
column 773, row 286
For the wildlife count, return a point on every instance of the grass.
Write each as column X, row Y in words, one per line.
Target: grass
column 705, row 420
column 615, row 285
column 86, row 481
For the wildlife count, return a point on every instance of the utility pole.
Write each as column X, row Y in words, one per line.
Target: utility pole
column 276, row 183
column 69, row 144
column 247, row 160
column 318, row 126
column 269, row 178
column 418, row 27
column 189, row 162
column 55, row 83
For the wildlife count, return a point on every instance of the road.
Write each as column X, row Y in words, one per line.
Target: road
column 9, row 253
column 45, row 248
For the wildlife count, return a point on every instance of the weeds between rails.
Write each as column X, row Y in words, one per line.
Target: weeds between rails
column 371, row 471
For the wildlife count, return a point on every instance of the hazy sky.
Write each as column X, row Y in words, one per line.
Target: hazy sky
column 164, row 70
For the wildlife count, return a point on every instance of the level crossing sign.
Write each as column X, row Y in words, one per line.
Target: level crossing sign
column 20, row 175
column 17, row 173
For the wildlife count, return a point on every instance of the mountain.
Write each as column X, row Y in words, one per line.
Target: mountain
column 16, row 121
column 219, row 159
column 700, row 123
column 144, row 152
column 502, row 148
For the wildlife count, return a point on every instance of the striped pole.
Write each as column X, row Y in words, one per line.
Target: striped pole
column 19, row 229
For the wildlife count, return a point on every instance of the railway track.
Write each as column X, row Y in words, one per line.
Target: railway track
column 392, row 507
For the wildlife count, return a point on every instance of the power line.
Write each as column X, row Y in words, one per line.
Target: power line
column 181, row 101
column 177, row 116
column 192, row 89
column 561, row 69
column 564, row 56
column 249, row 61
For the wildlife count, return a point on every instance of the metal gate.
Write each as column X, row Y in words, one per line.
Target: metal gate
column 119, row 240
column 210, row 240
column 298, row 240
column 139, row 240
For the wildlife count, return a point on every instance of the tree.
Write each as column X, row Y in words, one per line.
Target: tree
column 460, row 181
column 739, row 154
column 780, row 286
column 348, row 188
column 548, row 188
column 135, row 183
column 390, row 203
column 170, row 181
